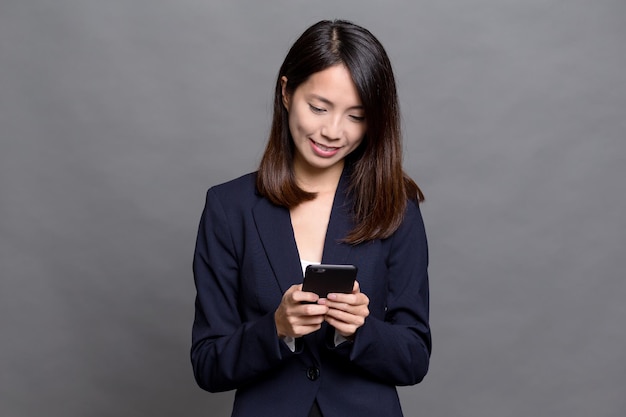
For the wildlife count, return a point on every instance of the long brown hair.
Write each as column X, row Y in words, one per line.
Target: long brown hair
column 379, row 188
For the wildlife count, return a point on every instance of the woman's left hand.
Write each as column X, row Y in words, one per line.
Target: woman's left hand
column 347, row 312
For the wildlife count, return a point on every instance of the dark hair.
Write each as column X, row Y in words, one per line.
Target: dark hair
column 378, row 186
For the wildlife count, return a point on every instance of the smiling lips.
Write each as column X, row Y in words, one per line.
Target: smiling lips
column 323, row 151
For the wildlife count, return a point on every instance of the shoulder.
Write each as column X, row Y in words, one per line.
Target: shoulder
column 235, row 196
column 240, row 189
column 413, row 217
column 230, row 203
column 412, row 226
column 413, row 212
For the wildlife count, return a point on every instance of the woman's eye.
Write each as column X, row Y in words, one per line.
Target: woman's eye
column 358, row 118
column 316, row 109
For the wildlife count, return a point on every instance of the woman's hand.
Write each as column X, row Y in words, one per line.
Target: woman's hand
column 294, row 317
column 346, row 312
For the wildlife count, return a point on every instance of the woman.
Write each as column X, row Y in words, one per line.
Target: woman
column 330, row 189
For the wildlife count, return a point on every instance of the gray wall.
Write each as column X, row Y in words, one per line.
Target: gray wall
column 115, row 117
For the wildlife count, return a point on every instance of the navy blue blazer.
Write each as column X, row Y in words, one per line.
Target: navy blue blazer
column 246, row 258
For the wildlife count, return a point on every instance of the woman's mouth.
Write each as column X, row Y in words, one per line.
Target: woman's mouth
column 323, row 150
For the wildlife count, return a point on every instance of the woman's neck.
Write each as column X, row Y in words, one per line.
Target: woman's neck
column 318, row 180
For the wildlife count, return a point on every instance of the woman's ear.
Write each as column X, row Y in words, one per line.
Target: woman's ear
column 285, row 95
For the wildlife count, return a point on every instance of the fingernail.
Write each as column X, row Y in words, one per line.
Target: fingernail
column 332, row 296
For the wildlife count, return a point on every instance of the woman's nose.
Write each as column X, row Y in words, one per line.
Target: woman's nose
column 332, row 129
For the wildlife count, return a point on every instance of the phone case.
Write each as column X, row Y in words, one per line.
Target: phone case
column 323, row 279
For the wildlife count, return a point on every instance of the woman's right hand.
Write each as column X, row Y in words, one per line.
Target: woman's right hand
column 298, row 313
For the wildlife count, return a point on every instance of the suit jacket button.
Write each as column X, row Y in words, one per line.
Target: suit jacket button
column 312, row 373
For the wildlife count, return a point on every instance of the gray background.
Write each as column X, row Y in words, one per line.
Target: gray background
column 117, row 115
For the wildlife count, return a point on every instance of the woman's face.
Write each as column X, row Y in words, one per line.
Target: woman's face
column 326, row 119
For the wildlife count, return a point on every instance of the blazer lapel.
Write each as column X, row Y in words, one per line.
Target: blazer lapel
column 274, row 227
column 339, row 225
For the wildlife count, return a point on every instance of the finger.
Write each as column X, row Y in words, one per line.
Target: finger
column 293, row 288
column 300, row 331
column 307, row 320
column 346, row 317
column 335, row 300
column 336, row 305
column 297, row 326
column 350, row 299
column 311, row 309
column 288, row 295
column 297, row 310
column 300, row 296
column 344, row 329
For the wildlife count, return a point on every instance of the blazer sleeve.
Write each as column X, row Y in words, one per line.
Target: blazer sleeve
column 226, row 352
column 396, row 349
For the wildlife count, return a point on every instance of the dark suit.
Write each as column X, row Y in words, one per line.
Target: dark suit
column 246, row 258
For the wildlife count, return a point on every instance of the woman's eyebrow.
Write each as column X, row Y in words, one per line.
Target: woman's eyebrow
column 330, row 103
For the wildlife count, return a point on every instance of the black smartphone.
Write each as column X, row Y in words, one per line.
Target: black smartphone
column 323, row 279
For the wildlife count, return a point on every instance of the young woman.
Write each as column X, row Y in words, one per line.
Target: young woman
column 330, row 189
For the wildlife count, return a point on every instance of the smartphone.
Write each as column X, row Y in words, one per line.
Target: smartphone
column 323, row 279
